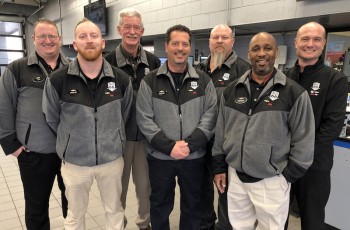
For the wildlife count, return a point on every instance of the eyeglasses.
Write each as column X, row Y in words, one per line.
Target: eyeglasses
column 43, row 37
column 129, row 27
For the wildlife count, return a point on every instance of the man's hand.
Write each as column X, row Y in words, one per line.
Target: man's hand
column 18, row 151
column 180, row 150
column 220, row 182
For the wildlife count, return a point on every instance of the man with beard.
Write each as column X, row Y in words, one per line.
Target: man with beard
column 223, row 66
column 327, row 89
column 265, row 133
column 24, row 132
column 87, row 104
column 130, row 57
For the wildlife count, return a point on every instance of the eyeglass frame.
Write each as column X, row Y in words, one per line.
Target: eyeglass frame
column 51, row 37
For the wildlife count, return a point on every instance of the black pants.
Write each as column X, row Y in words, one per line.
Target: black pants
column 38, row 172
column 312, row 192
column 208, row 214
column 162, row 175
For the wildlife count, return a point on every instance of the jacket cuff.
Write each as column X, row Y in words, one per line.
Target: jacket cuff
column 10, row 144
column 196, row 140
column 162, row 143
column 293, row 171
column 219, row 164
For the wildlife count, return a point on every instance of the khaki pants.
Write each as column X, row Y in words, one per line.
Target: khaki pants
column 135, row 159
column 265, row 202
column 78, row 181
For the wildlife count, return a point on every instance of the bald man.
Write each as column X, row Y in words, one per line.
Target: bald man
column 327, row 89
column 265, row 134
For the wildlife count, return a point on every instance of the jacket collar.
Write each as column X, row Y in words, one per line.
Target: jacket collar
column 191, row 72
column 317, row 65
column 74, row 69
column 228, row 62
column 279, row 78
column 122, row 60
column 33, row 59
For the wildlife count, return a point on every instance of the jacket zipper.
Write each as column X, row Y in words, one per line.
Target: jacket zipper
column 180, row 113
column 249, row 117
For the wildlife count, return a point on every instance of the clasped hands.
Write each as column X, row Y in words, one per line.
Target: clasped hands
column 180, row 150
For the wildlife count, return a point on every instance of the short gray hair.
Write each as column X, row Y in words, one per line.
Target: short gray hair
column 129, row 12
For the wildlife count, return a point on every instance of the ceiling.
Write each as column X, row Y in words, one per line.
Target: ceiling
column 23, row 2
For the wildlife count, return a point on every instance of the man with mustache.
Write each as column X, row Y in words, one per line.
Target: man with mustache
column 87, row 104
column 223, row 66
column 327, row 89
column 265, row 134
column 24, row 132
column 130, row 57
column 176, row 111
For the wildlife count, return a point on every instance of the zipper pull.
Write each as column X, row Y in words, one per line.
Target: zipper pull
column 250, row 112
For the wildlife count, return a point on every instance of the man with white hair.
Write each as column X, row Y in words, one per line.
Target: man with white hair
column 130, row 57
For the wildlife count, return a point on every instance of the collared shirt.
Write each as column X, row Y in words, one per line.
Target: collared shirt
column 47, row 67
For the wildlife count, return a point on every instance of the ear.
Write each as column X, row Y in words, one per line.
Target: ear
column 119, row 30
column 75, row 46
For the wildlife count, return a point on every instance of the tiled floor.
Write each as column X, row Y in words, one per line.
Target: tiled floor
column 12, row 203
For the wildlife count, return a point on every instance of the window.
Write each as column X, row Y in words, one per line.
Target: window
column 11, row 43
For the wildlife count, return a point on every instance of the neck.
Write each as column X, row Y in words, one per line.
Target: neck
column 177, row 68
column 304, row 62
column 52, row 60
column 133, row 50
column 90, row 68
column 260, row 79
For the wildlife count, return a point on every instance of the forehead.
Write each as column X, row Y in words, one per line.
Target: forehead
column 87, row 27
column 43, row 27
column 262, row 40
column 221, row 31
column 179, row 36
column 131, row 20
column 311, row 31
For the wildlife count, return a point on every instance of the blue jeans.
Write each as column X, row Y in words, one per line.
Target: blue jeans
column 189, row 175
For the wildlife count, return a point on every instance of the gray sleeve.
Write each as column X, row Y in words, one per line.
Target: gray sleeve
column 302, row 127
column 8, row 109
column 127, row 102
column 51, row 105
column 219, row 163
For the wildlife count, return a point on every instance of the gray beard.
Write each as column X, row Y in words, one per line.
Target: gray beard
column 218, row 59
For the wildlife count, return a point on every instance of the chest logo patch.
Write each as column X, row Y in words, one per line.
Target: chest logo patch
column 274, row 95
column 194, row 85
column 226, row 76
column 146, row 71
column 111, row 86
column 38, row 79
column 73, row 92
column 241, row 100
column 315, row 89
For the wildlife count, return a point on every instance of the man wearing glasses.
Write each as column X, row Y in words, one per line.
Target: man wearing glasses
column 130, row 57
column 24, row 132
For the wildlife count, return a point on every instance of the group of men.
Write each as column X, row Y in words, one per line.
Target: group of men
column 103, row 117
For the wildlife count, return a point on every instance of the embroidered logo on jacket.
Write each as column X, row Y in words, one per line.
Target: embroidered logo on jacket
column 38, row 79
column 194, row 85
column 315, row 89
column 241, row 100
column 226, row 76
column 146, row 71
column 111, row 86
column 274, row 95
column 73, row 92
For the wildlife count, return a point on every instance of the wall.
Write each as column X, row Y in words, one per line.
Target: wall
column 197, row 15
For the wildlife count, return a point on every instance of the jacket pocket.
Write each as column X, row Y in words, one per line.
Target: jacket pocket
column 65, row 148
